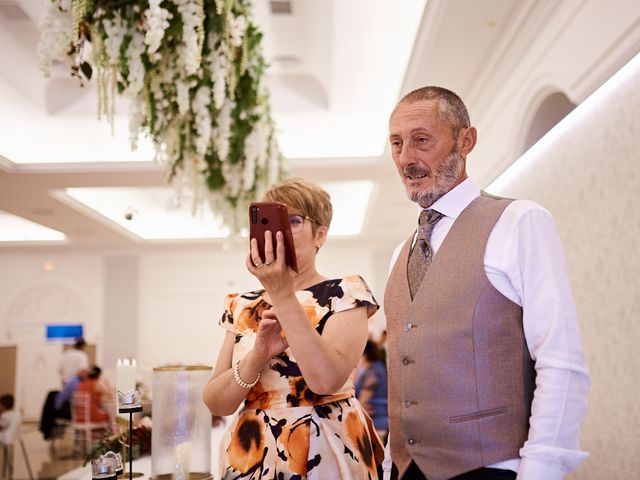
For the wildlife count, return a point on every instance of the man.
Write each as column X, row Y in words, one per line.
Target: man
column 487, row 378
column 73, row 360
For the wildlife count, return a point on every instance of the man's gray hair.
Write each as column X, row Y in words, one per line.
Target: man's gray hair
column 450, row 106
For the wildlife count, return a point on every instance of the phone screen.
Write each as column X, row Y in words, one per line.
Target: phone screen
column 273, row 216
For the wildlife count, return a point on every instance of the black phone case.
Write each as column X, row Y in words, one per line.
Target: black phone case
column 273, row 216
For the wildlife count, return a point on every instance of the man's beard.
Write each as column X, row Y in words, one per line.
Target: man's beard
column 444, row 178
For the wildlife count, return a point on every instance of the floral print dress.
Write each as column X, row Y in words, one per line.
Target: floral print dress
column 284, row 431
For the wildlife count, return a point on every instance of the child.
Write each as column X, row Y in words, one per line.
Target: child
column 9, row 420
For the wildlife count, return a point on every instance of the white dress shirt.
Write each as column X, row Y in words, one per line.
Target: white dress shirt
column 524, row 261
column 73, row 360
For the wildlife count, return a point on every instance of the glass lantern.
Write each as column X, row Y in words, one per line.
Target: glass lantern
column 181, row 433
column 104, row 468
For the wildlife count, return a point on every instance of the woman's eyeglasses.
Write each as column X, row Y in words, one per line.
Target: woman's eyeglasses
column 297, row 222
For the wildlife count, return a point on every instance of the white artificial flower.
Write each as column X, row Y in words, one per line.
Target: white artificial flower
column 191, row 49
column 135, row 50
column 55, row 39
column 182, row 96
column 219, row 67
column 136, row 118
column 237, row 29
column 222, row 132
column 115, row 29
column 157, row 21
column 200, row 108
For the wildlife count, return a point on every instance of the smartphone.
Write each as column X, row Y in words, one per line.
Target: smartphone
column 273, row 216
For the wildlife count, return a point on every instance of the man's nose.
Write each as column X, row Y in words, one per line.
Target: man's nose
column 406, row 157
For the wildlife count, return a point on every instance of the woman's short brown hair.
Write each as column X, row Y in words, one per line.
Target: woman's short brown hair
column 310, row 199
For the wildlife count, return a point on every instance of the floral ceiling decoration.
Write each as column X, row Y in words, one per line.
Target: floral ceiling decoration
column 194, row 73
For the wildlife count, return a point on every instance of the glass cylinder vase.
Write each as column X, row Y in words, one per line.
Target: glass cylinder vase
column 181, row 433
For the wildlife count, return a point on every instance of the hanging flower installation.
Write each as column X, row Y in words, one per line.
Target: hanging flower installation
column 194, row 72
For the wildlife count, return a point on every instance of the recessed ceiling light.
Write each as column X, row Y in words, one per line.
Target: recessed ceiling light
column 18, row 229
column 157, row 217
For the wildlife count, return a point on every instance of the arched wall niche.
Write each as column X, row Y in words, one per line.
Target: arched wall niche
column 33, row 306
column 548, row 108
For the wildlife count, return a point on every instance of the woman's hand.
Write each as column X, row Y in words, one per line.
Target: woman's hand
column 272, row 271
column 269, row 339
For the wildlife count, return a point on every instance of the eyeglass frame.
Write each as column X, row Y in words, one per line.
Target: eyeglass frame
column 304, row 217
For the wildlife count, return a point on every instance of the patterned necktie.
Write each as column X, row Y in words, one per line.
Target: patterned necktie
column 421, row 253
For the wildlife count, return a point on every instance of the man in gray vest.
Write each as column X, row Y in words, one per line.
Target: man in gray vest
column 487, row 378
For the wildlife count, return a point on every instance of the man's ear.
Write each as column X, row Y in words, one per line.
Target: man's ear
column 467, row 138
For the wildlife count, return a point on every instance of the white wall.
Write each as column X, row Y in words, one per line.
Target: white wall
column 30, row 298
column 589, row 178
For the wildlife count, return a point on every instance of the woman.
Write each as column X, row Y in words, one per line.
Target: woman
column 290, row 354
column 88, row 398
column 371, row 387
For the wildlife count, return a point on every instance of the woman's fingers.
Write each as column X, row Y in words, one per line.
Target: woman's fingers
column 280, row 255
column 269, row 256
column 255, row 255
column 270, row 314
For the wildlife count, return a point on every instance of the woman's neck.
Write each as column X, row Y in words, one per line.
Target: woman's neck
column 306, row 278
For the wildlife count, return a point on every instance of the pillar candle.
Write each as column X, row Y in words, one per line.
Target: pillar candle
column 182, row 461
column 125, row 375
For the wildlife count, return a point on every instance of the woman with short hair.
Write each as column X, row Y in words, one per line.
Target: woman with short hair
column 290, row 355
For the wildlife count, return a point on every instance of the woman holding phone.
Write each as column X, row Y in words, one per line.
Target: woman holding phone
column 290, row 354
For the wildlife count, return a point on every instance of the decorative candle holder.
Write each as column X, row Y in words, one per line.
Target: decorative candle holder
column 104, row 468
column 118, row 459
column 132, row 398
column 130, row 408
column 181, row 433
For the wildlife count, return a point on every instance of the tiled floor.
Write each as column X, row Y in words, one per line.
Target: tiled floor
column 46, row 462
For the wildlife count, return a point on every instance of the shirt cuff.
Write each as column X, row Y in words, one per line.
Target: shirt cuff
column 531, row 469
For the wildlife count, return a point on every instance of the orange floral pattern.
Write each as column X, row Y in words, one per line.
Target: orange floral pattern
column 284, row 430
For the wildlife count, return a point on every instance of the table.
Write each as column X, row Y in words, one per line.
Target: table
column 143, row 464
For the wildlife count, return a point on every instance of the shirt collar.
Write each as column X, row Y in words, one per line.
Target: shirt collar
column 452, row 203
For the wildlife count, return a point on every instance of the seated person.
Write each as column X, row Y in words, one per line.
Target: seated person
column 96, row 393
column 62, row 403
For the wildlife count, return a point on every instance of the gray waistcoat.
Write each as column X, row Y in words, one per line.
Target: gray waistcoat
column 460, row 376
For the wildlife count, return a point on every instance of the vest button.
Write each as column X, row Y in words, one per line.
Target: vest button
column 411, row 441
column 405, row 361
column 407, row 327
column 406, row 403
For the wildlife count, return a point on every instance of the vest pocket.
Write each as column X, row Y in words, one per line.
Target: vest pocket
column 481, row 414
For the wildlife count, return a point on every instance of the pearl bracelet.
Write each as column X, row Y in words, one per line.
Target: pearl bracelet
column 239, row 381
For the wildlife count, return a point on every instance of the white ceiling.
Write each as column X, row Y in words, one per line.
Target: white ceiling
column 338, row 66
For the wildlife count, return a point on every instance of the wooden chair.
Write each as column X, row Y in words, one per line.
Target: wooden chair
column 83, row 427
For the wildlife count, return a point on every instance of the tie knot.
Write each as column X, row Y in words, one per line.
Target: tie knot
column 426, row 222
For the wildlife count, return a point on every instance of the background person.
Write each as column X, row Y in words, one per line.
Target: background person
column 9, row 420
column 371, row 387
column 290, row 355
column 487, row 374
column 97, row 394
column 73, row 360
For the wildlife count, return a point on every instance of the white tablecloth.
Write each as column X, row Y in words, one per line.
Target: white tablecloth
column 143, row 464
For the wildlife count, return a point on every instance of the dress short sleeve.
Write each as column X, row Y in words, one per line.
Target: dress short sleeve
column 227, row 320
column 355, row 293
